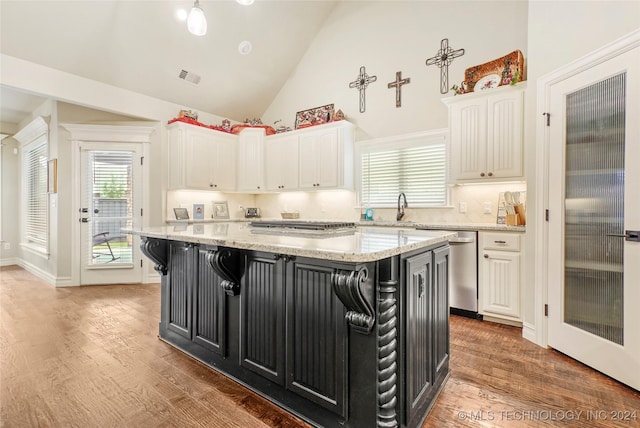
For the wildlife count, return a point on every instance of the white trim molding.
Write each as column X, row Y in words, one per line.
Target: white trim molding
column 109, row 133
column 607, row 52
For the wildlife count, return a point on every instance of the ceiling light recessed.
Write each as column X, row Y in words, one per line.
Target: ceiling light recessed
column 245, row 2
column 244, row 47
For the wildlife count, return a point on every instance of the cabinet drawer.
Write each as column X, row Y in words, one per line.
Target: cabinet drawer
column 501, row 241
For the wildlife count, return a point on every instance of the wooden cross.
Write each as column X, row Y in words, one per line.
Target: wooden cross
column 442, row 59
column 398, row 85
column 361, row 84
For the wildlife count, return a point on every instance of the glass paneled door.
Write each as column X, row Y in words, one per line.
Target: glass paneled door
column 110, row 202
column 594, row 202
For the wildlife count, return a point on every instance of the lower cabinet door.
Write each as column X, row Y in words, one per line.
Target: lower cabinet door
column 182, row 265
column 440, row 325
column 501, row 283
column 262, row 316
column 419, row 332
column 316, row 337
column 209, row 307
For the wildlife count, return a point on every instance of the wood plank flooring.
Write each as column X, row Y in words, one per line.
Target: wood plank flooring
column 90, row 357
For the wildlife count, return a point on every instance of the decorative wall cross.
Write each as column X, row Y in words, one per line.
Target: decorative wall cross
column 442, row 59
column 361, row 84
column 398, row 85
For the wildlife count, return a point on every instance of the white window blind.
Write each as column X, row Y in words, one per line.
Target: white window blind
column 415, row 165
column 36, row 220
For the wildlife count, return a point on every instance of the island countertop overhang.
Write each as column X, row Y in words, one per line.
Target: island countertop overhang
column 360, row 245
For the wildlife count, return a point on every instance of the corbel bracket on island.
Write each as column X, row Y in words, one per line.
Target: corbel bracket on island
column 349, row 287
column 156, row 250
column 221, row 262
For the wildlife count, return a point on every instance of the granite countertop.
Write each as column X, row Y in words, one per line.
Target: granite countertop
column 362, row 244
column 450, row 226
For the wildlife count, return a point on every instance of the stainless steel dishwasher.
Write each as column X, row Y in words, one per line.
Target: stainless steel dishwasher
column 463, row 273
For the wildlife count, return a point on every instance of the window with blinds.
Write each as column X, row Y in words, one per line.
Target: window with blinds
column 35, row 173
column 415, row 165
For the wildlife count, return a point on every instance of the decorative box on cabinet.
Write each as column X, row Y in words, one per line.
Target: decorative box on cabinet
column 201, row 158
column 486, row 130
column 500, row 275
column 251, row 160
column 325, row 156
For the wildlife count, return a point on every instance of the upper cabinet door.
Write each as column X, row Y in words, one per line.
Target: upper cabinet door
column 486, row 135
column 505, row 134
column 201, row 157
column 281, row 162
column 468, row 128
column 251, row 161
column 326, row 157
column 224, row 166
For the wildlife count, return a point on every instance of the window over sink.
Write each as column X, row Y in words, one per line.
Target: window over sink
column 415, row 164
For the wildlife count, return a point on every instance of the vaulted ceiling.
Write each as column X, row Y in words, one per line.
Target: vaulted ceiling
column 142, row 46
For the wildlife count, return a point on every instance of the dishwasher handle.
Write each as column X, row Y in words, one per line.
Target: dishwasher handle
column 462, row 240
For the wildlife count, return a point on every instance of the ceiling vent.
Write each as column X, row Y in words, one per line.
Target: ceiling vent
column 189, row 77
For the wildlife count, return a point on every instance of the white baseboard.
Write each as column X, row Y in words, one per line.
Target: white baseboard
column 64, row 281
column 43, row 275
column 529, row 332
column 10, row 261
column 152, row 278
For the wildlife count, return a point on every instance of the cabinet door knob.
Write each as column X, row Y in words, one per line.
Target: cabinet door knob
column 210, row 184
column 486, row 256
column 490, row 174
column 258, row 187
column 482, row 174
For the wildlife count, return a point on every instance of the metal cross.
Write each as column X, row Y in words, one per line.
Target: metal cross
column 361, row 84
column 442, row 59
column 398, row 85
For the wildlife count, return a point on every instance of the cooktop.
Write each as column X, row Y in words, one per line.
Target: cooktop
column 303, row 225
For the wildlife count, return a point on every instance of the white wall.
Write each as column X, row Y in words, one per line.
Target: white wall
column 391, row 36
column 71, row 89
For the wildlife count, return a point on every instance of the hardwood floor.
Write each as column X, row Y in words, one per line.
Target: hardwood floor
column 90, row 357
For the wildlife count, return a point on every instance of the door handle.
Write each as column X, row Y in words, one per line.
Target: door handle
column 84, row 210
column 632, row 235
column 84, row 220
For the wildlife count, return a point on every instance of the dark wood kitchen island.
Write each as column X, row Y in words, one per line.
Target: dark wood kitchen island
column 348, row 328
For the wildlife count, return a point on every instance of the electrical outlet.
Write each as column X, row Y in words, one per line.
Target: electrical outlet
column 462, row 207
column 487, row 207
column 7, row 245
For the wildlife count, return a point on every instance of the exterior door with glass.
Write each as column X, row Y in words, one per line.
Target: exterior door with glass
column 111, row 190
column 594, row 202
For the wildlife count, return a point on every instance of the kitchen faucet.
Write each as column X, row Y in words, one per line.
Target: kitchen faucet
column 401, row 208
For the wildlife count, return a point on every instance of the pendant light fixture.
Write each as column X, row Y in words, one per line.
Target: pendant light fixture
column 196, row 22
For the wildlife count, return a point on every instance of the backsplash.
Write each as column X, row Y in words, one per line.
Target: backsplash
column 342, row 204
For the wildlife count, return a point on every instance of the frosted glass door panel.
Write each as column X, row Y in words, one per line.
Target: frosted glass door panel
column 594, row 209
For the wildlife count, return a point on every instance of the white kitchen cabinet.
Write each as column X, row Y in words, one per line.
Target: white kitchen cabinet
column 325, row 157
column 251, row 160
column 201, row 158
column 281, row 162
column 500, row 275
column 486, row 131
